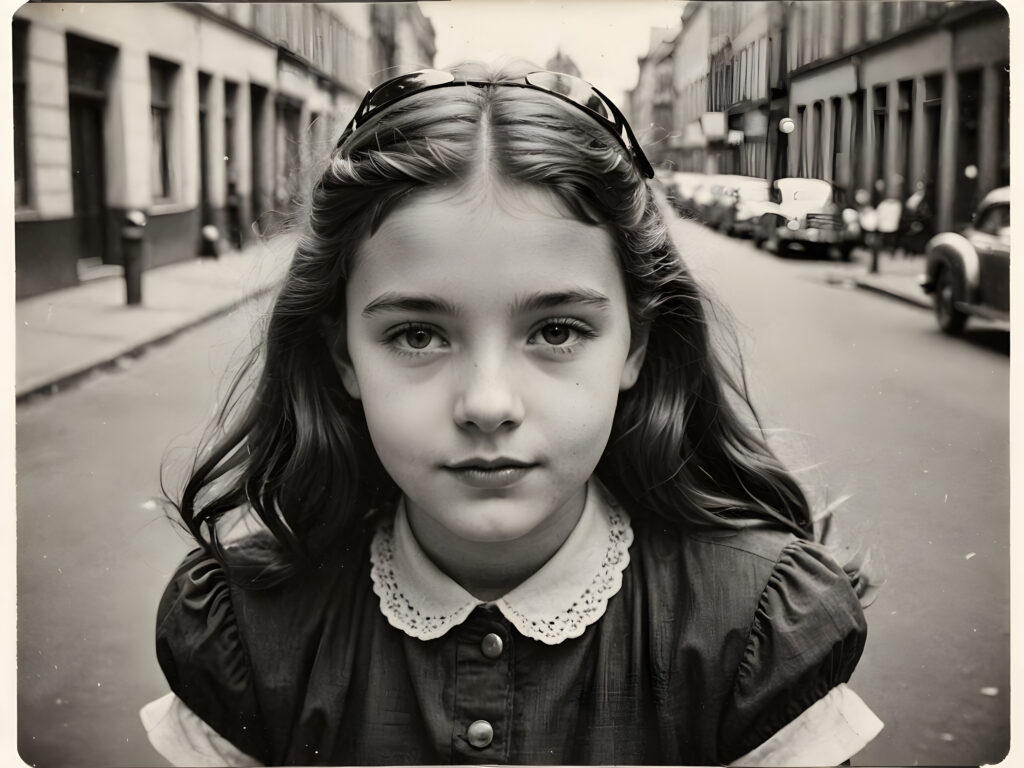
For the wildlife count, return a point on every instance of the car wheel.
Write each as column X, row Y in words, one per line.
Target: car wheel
column 782, row 249
column 951, row 320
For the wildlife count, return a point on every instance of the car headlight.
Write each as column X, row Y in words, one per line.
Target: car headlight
column 793, row 224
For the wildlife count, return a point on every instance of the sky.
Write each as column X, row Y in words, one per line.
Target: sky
column 603, row 37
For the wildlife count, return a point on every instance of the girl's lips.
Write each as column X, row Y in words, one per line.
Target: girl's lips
column 496, row 476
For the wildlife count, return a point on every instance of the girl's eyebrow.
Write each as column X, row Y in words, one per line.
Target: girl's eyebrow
column 537, row 301
column 533, row 302
column 399, row 302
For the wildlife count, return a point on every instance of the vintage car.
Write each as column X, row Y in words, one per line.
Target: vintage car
column 685, row 186
column 722, row 189
column 725, row 190
column 751, row 195
column 806, row 215
column 969, row 273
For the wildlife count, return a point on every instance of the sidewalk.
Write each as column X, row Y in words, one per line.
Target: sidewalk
column 64, row 334
column 896, row 277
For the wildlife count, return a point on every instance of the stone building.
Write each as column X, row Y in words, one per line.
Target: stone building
column 746, row 91
column 883, row 95
column 194, row 113
column 650, row 104
column 690, row 86
column 888, row 94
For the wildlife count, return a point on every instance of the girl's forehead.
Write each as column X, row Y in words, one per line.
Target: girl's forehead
column 494, row 244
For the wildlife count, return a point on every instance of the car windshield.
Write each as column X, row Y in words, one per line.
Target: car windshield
column 805, row 190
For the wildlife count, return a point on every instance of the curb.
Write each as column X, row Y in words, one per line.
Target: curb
column 877, row 287
column 136, row 349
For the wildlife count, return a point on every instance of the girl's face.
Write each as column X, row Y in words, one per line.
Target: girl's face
column 488, row 338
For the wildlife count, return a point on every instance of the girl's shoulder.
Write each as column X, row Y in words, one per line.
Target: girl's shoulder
column 774, row 620
column 738, row 576
column 215, row 638
column 751, row 551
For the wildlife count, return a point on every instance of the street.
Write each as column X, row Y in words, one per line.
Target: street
column 914, row 427
column 861, row 394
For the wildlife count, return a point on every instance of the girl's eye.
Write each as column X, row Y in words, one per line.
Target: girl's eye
column 564, row 334
column 412, row 338
column 556, row 334
column 418, row 338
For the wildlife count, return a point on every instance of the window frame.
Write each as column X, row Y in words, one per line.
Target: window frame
column 23, row 187
column 162, row 112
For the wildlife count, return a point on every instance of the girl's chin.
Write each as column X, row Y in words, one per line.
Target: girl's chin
column 486, row 524
column 493, row 531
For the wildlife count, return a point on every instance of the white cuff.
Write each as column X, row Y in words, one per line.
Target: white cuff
column 177, row 733
column 831, row 730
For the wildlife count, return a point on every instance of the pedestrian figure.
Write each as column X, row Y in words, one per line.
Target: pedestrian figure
column 889, row 211
column 504, row 504
column 916, row 224
column 868, row 219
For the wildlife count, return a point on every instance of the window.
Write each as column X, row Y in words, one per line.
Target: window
column 837, row 144
column 204, row 146
column 287, row 155
column 905, row 111
column 881, row 121
column 819, row 140
column 967, row 157
column 801, row 168
column 230, row 105
column 857, row 130
column 161, row 88
column 1003, row 121
column 19, row 39
column 932, row 127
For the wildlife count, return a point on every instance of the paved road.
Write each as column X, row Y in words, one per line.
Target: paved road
column 914, row 427
column 94, row 552
column 911, row 424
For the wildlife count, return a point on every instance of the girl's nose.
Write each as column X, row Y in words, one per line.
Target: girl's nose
column 487, row 399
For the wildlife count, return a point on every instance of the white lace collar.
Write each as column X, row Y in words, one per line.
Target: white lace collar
column 569, row 592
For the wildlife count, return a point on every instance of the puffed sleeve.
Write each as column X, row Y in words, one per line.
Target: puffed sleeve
column 806, row 638
column 202, row 653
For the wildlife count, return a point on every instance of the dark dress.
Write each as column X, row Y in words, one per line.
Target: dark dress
column 712, row 644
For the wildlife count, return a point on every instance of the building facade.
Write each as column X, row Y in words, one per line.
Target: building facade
column 690, row 85
column 885, row 96
column 889, row 95
column 195, row 113
column 650, row 108
column 746, row 90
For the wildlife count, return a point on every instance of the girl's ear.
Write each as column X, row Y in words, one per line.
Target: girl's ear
column 334, row 337
column 635, row 360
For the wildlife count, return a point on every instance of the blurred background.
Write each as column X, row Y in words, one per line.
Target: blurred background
column 837, row 173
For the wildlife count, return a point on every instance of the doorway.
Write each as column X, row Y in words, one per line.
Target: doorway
column 89, row 66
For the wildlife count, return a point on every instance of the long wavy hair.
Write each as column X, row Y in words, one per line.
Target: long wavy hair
column 292, row 448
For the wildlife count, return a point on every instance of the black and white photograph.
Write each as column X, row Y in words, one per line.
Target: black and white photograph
column 597, row 382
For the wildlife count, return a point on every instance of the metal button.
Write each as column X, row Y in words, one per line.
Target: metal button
column 480, row 734
column 491, row 646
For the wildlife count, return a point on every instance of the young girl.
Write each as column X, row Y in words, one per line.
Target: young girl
column 509, row 509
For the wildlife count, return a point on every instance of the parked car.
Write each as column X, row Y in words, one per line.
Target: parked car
column 752, row 193
column 969, row 273
column 807, row 214
column 704, row 194
column 687, row 183
column 722, row 199
column 724, row 190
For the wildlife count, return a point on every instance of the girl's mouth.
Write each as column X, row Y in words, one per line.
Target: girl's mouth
column 490, row 473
